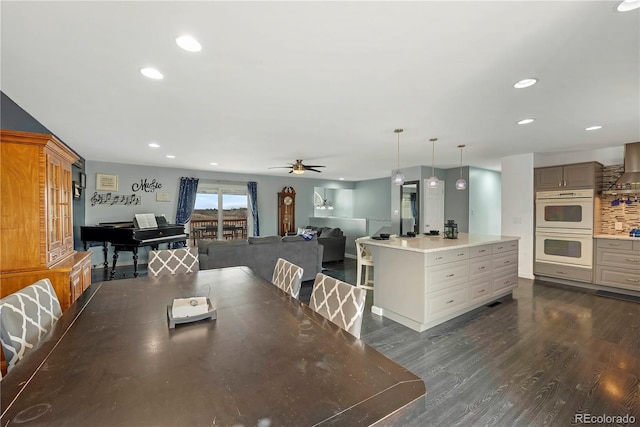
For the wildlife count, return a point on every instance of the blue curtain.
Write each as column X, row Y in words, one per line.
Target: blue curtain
column 252, row 187
column 186, row 202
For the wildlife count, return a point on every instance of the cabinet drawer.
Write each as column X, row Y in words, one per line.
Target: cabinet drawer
column 617, row 258
column 446, row 300
column 478, row 251
column 504, row 264
column 618, row 278
column 503, row 283
column 614, row 244
column 505, row 246
column 54, row 255
column 636, row 245
column 480, row 267
column 480, row 290
column 443, row 257
column 445, row 276
column 562, row 271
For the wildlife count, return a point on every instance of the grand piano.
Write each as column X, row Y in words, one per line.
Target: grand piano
column 128, row 236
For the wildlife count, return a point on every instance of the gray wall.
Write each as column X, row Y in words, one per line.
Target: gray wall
column 485, row 201
column 456, row 202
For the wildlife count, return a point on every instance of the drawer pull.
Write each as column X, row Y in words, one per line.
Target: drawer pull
column 449, row 302
column 561, row 272
column 450, row 275
column 633, row 280
column 481, row 291
column 631, row 259
column 462, row 254
column 482, row 250
column 500, row 247
column 481, row 268
column 507, row 262
column 614, row 244
column 438, row 257
column 506, row 282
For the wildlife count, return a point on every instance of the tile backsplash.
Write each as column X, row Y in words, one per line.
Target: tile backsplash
column 628, row 215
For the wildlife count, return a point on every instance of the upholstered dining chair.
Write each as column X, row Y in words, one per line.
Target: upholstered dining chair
column 173, row 261
column 288, row 277
column 339, row 302
column 364, row 261
column 25, row 316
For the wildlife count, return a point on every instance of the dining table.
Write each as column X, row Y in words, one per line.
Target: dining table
column 266, row 359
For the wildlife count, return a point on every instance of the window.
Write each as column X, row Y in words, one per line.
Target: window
column 221, row 212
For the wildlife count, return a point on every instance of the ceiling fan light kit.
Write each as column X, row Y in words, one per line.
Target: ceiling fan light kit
column 398, row 177
column 299, row 168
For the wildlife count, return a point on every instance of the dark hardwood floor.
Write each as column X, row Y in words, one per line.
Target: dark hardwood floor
column 537, row 358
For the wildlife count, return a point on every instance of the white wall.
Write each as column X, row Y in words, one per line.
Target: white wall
column 517, row 207
column 484, row 201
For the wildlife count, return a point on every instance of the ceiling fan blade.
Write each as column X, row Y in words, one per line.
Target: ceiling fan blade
column 310, row 169
column 291, row 171
column 280, row 167
column 314, row 166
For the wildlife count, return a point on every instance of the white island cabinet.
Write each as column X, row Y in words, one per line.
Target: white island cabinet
column 423, row 281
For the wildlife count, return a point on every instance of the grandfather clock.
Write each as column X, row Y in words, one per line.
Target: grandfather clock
column 287, row 211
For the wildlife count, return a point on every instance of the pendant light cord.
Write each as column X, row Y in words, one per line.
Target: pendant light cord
column 398, row 150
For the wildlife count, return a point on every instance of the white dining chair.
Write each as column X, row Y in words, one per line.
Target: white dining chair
column 288, row 277
column 173, row 261
column 25, row 316
column 339, row 302
column 365, row 261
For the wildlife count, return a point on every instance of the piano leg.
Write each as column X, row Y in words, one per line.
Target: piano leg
column 105, row 251
column 135, row 261
column 115, row 261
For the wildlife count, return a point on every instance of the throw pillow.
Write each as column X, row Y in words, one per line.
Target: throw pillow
column 308, row 234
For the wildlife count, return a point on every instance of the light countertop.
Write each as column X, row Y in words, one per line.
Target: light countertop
column 615, row 236
column 425, row 244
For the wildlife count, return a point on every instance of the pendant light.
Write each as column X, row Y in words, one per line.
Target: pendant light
column 433, row 181
column 398, row 177
column 461, row 184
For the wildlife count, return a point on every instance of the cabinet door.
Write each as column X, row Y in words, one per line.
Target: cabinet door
column 66, row 209
column 579, row 176
column 53, row 211
column 86, row 274
column 549, row 178
column 75, row 283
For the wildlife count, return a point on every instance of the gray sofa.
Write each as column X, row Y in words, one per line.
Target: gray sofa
column 333, row 240
column 262, row 253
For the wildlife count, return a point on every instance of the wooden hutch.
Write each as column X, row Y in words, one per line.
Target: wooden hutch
column 36, row 217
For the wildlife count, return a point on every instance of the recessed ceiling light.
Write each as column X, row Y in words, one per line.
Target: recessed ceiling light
column 593, row 127
column 628, row 5
column 213, row 164
column 341, row 179
column 170, row 156
column 152, row 73
column 188, row 43
column 526, row 121
column 154, row 145
column 525, row 83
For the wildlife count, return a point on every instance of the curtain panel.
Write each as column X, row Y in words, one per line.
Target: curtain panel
column 186, row 203
column 252, row 188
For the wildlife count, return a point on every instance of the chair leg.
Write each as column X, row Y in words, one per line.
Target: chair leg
column 359, row 275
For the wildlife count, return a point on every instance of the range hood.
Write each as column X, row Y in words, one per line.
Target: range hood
column 629, row 181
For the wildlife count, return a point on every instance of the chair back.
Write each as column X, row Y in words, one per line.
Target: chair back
column 288, row 277
column 363, row 252
column 173, row 261
column 339, row 302
column 25, row 316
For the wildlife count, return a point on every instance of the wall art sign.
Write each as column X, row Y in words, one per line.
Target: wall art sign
column 114, row 199
column 146, row 185
column 162, row 197
column 106, row 182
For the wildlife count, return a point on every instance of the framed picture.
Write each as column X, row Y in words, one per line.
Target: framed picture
column 77, row 190
column 83, row 180
column 106, row 182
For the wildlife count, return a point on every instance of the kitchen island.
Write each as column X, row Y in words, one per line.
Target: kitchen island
column 423, row 281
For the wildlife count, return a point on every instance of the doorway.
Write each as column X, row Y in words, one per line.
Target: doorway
column 410, row 208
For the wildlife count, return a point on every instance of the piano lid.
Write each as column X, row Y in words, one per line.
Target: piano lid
column 117, row 224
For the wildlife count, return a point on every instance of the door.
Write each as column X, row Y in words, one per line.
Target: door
column 433, row 208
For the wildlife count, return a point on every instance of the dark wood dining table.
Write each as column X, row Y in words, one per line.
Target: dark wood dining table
column 268, row 359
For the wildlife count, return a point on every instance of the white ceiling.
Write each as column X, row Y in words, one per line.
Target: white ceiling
column 326, row 82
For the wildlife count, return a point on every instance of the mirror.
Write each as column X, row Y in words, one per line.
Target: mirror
column 409, row 208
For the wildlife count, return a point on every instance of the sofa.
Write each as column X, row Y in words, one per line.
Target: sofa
column 262, row 253
column 333, row 240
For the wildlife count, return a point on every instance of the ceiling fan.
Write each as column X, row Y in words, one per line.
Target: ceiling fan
column 299, row 168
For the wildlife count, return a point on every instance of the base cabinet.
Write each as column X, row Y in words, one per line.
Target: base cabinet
column 618, row 263
column 69, row 278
